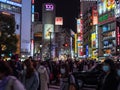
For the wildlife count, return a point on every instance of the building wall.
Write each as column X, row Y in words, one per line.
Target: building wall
column 26, row 27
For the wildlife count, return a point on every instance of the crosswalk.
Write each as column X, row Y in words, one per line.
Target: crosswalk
column 53, row 87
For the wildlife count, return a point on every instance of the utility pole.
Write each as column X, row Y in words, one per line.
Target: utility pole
column 50, row 45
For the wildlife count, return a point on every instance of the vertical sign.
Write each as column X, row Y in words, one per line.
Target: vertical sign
column 75, row 43
column 118, row 36
column 94, row 16
column 78, row 25
column 58, row 21
column 87, row 51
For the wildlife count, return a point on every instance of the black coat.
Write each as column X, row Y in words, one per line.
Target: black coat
column 110, row 82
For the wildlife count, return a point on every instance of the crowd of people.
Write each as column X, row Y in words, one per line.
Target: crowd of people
column 38, row 75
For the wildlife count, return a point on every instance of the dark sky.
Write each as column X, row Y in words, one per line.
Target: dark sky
column 68, row 9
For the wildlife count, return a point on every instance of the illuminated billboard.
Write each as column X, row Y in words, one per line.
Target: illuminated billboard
column 118, row 35
column 94, row 16
column 78, row 25
column 58, row 21
column 93, row 39
column 49, row 7
column 110, row 4
column 105, row 5
column 117, row 10
column 13, row 2
column 48, row 31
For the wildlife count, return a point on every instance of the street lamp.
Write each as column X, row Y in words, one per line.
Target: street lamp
column 41, row 51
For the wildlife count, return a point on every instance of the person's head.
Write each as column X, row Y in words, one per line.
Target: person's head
column 64, row 69
column 109, row 66
column 28, row 63
column 5, row 69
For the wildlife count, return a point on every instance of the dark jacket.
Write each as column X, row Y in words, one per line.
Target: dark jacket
column 109, row 82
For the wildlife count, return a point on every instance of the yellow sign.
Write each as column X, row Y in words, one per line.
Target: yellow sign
column 75, row 43
column 110, row 4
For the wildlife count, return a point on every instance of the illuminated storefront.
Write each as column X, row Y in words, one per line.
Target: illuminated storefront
column 94, row 34
column 107, row 27
column 80, row 38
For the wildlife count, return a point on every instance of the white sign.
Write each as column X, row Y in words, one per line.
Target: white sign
column 58, row 21
column 117, row 10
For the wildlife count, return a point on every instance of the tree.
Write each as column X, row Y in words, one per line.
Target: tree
column 8, row 39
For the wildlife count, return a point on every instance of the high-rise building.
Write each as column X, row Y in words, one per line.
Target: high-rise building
column 109, row 33
column 86, row 26
column 13, row 7
column 48, row 21
column 21, row 9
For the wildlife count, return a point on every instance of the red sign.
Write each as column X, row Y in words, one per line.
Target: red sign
column 58, row 21
column 118, row 36
column 94, row 16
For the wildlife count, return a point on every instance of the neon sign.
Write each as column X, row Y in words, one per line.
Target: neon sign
column 49, row 7
column 106, row 17
column 117, row 10
column 118, row 36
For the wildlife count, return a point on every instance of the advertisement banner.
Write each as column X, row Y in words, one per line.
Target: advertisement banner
column 110, row 4
column 58, row 21
column 48, row 31
column 105, row 6
column 75, row 43
column 94, row 16
column 118, row 35
column 93, row 39
column 78, row 25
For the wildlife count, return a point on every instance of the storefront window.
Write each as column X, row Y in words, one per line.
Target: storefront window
column 112, row 26
column 108, row 27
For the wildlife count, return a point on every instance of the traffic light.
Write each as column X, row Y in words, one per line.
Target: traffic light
column 65, row 45
column 10, row 54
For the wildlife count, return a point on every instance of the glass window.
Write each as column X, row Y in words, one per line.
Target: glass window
column 108, row 27
column 105, row 28
column 112, row 26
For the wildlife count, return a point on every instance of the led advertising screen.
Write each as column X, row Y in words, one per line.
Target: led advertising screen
column 48, row 31
column 105, row 5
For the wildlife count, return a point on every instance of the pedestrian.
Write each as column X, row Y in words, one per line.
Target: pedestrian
column 118, row 74
column 109, row 81
column 44, row 77
column 64, row 79
column 30, row 77
column 8, row 82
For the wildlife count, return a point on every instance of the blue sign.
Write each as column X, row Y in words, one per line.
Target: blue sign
column 87, row 51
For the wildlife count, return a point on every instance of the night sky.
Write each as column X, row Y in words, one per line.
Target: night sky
column 68, row 9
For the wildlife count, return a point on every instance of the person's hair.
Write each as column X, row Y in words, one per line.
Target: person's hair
column 5, row 68
column 110, row 62
column 30, row 68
